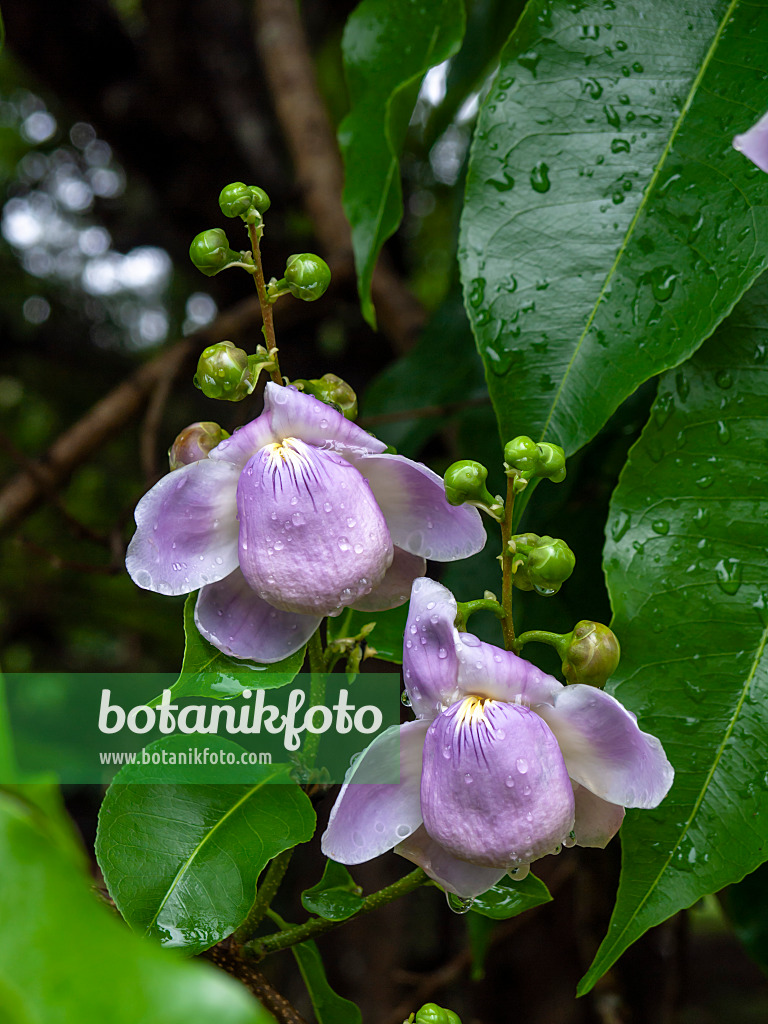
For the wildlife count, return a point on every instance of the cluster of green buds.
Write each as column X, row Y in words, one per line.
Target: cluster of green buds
column 542, row 564
column 249, row 202
column 194, row 443
column 589, row 653
column 465, row 484
column 333, row 391
column 525, row 459
column 306, row 277
column 227, row 372
column 211, row 253
column 431, row 1013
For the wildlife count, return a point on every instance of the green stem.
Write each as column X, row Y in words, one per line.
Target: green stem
column 318, row 667
column 317, row 925
column 268, row 328
column 556, row 640
column 507, row 625
column 467, row 608
column 264, row 896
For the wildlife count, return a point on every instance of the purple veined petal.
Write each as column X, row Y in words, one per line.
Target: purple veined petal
column 312, row 538
column 454, row 875
column 186, row 532
column 754, row 143
column 597, row 821
column 605, row 750
column 395, row 588
column 430, row 668
column 488, row 671
column 245, row 442
column 234, row 619
column 419, row 518
column 494, row 789
column 368, row 818
column 295, row 414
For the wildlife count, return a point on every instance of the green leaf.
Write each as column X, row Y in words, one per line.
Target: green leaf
column 336, row 896
column 65, row 958
column 181, row 862
column 508, row 898
column 386, row 637
column 609, row 225
column 388, row 46
column 479, row 931
column 206, row 672
column 329, row 1007
column 687, row 570
column 747, row 907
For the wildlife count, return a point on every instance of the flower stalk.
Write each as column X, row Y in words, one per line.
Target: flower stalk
column 268, row 327
column 507, row 558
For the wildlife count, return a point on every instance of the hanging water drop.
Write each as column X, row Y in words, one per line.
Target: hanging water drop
column 458, row 904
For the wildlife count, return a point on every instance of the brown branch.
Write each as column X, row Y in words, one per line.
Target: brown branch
column 422, row 413
column 229, row 959
column 288, row 66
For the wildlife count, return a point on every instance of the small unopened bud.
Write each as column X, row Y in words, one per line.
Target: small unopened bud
column 223, row 371
column 549, row 565
column 210, row 252
column 238, row 200
column 525, row 459
column 307, row 276
column 194, row 443
column 333, row 391
column 590, row 654
column 465, row 482
column 431, row 1013
column 551, row 463
column 522, row 454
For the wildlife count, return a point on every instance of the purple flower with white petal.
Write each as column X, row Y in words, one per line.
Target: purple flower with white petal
column 503, row 765
column 754, row 143
column 298, row 515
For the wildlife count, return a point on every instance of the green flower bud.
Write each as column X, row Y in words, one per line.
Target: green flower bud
column 223, row 371
column 194, row 443
column 551, row 463
column 210, row 252
column 522, row 454
column 465, row 481
column 237, row 200
column 431, row 1013
column 333, row 391
column 549, row 565
column 307, row 276
column 590, row 654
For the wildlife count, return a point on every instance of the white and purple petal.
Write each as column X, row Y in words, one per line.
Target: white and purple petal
column 245, row 442
column 754, row 143
column 605, row 750
column 233, row 617
column 597, row 821
column 295, row 414
column 312, row 537
column 487, row 671
column 395, row 588
column 187, row 529
column 454, row 875
column 494, row 788
column 430, row 666
column 419, row 518
column 370, row 818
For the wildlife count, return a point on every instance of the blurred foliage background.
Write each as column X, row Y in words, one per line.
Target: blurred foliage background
column 120, row 122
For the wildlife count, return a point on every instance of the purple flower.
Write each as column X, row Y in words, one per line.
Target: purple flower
column 503, row 765
column 754, row 143
column 296, row 516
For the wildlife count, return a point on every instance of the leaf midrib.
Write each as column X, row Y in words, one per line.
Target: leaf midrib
column 641, row 206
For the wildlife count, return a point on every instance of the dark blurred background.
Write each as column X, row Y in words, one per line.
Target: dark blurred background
column 120, row 122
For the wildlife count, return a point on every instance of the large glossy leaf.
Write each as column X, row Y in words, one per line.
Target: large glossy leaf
column 181, row 862
column 206, row 672
column 67, row 959
column 609, row 225
column 388, row 46
column 687, row 568
column 336, row 896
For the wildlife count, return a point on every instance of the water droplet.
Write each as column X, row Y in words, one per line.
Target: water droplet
column 593, row 87
column 522, row 765
column 621, row 45
column 723, row 432
column 620, row 146
column 519, row 873
column 402, row 831
column 297, row 518
column 405, row 699
column 620, row 525
column 662, row 409
column 611, row 116
column 529, row 60
column 682, row 385
column 503, row 183
column 476, row 292
column 540, row 177
column 458, row 904
column 509, row 782
column 663, row 281
column 328, row 507
column 728, row 572
column 704, row 482
column 723, row 379
column 468, row 777
column 544, row 591
column 279, row 545
column 660, row 526
column 761, row 607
